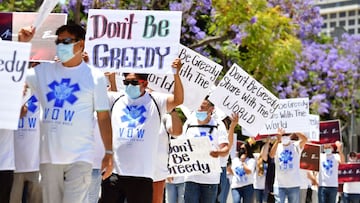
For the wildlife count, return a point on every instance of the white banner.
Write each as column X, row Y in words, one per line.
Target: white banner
column 14, row 57
column 314, row 129
column 133, row 40
column 240, row 93
column 292, row 115
column 192, row 157
column 198, row 75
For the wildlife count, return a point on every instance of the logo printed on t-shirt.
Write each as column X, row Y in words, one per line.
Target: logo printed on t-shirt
column 29, row 122
column 240, row 174
column 62, row 92
column 31, row 104
column 328, row 164
column 134, row 115
column 286, row 160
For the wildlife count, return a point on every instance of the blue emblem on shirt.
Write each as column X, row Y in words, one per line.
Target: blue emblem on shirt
column 240, row 174
column 134, row 115
column 286, row 158
column 62, row 92
column 328, row 164
column 31, row 103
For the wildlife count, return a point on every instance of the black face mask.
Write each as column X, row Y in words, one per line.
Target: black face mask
column 242, row 151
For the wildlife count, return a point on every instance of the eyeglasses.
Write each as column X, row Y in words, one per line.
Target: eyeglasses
column 133, row 82
column 66, row 41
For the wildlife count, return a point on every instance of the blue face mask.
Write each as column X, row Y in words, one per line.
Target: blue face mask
column 328, row 151
column 201, row 115
column 133, row 91
column 65, row 52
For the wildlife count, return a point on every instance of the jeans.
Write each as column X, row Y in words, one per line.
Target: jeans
column 95, row 185
column 351, row 198
column 200, row 193
column 260, row 196
column 224, row 186
column 327, row 194
column 175, row 192
column 293, row 194
column 245, row 193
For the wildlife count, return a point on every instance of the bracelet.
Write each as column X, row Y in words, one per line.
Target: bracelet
column 109, row 152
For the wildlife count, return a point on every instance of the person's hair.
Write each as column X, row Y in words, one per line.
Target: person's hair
column 249, row 151
column 207, row 99
column 141, row 76
column 73, row 29
column 352, row 154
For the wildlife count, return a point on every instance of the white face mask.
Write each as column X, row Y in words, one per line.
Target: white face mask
column 285, row 140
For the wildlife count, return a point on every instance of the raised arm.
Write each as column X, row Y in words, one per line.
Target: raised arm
column 176, row 124
column 26, row 34
column 274, row 147
column 178, row 97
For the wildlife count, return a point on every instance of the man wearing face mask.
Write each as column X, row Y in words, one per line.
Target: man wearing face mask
column 286, row 154
column 204, row 188
column 351, row 189
column 69, row 92
column 328, row 172
column 136, row 120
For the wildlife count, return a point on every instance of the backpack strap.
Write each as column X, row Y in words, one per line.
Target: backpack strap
column 211, row 127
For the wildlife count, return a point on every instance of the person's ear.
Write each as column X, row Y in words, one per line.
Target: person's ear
column 145, row 84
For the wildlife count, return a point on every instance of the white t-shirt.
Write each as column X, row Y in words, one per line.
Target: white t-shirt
column 305, row 181
column 259, row 181
column 287, row 164
column 7, row 156
column 351, row 188
column 240, row 178
column 27, row 139
column 98, row 145
column 217, row 136
column 136, row 127
column 68, row 98
column 328, row 172
column 161, row 170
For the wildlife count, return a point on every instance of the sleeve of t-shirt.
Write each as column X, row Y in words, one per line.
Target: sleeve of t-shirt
column 251, row 163
column 222, row 134
column 101, row 102
column 160, row 99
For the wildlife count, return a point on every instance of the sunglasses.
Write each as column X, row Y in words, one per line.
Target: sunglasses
column 66, row 41
column 133, row 82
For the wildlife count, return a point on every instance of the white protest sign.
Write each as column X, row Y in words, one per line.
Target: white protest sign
column 133, row 40
column 14, row 58
column 46, row 7
column 191, row 156
column 238, row 92
column 292, row 115
column 314, row 128
column 198, row 75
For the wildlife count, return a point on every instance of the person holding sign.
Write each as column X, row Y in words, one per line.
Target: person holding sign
column 351, row 189
column 328, row 173
column 69, row 92
column 204, row 187
column 136, row 120
column 286, row 154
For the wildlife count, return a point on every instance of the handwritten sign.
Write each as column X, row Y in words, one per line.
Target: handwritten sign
column 191, row 157
column 133, row 40
column 314, row 128
column 43, row 46
column 14, row 58
column 309, row 159
column 349, row 172
column 198, row 75
column 240, row 93
column 330, row 132
column 292, row 115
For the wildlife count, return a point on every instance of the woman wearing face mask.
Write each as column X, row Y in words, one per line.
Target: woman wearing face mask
column 328, row 173
column 351, row 189
column 242, row 169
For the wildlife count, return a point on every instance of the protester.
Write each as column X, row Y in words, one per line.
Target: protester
column 328, row 172
column 137, row 119
column 27, row 156
column 7, row 164
column 204, row 188
column 172, row 126
column 69, row 91
column 260, row 172
column 351, row 190
column 175, row 190
column 286, row 154
column 243, row 168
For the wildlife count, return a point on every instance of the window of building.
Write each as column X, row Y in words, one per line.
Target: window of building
column 351, row 22
column 324, row 25
column 332, row 24
column 351, row 31
column 342, row 23
column 342, row 14
column 351, row 13
column 358, row 30
column 324, row 17
column 333, row 15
